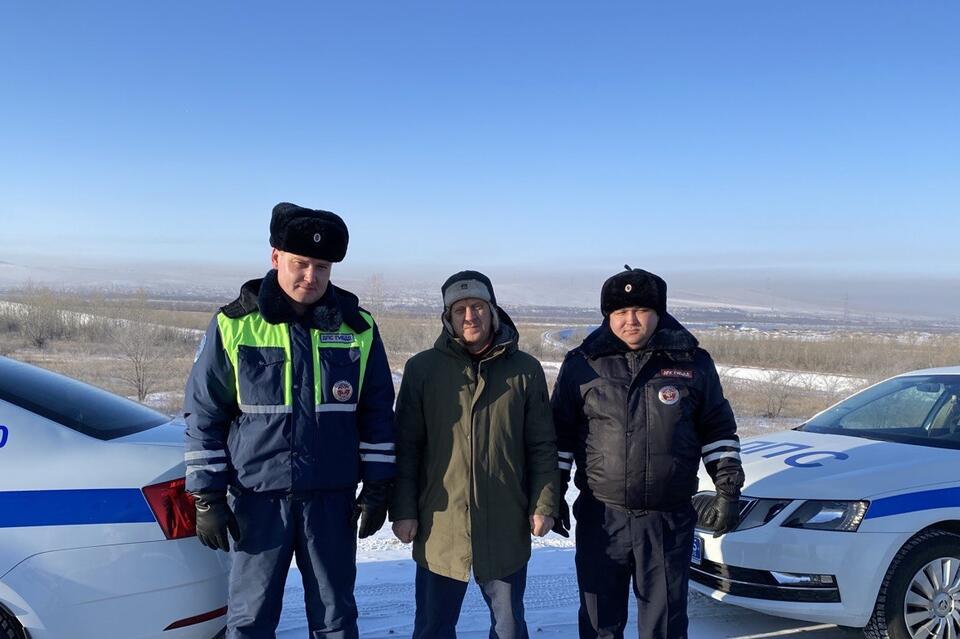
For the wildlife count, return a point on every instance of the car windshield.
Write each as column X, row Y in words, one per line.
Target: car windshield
column 921, row 409
column 76, row 405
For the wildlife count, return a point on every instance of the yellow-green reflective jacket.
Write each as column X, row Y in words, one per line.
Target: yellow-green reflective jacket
column 277, row 402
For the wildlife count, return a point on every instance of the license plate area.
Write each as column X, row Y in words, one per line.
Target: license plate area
column 696, row 557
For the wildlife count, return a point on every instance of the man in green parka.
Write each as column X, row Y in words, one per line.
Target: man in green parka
column 476, row 463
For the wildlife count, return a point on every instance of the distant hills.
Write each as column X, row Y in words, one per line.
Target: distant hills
column 730, row 296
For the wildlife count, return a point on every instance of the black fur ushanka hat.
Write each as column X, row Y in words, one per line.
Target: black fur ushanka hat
column 309, row 232
column 633, row 287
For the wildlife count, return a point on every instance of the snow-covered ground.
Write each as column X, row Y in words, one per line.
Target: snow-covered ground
column 799, row 379
column 83, row 319
column 385, row 597
column 160, row 399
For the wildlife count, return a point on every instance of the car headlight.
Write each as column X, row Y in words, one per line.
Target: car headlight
column 761, row 511
column 842, row 516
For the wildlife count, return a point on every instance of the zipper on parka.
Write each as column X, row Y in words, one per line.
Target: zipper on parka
column 636, row 361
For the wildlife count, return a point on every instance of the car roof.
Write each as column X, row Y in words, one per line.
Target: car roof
column 943, row 370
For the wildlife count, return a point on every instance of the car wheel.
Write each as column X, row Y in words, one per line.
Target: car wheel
column 10, row 628
column 920, row 594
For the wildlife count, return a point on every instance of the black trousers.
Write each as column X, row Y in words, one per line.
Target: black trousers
column 653, row 549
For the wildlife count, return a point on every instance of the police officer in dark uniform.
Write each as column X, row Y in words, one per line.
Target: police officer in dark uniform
column 289, row 405
column 637, row 406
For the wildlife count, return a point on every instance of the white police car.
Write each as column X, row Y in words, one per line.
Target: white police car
column 853, row 518
column 96, row 533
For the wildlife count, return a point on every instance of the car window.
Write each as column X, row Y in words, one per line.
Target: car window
column 906, row 408
column 947, row 418
column 918, row 410
column 78, row 406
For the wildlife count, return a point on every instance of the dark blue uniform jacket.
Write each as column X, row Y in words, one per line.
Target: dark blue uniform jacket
column 304, row 449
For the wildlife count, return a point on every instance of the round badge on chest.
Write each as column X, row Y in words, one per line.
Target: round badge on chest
column 669, row 395
column 342, row 391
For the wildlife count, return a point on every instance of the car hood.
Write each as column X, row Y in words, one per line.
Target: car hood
column 802, row 465
column 168, row 434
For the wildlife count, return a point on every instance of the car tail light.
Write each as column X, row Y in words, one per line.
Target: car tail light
column 173, row 507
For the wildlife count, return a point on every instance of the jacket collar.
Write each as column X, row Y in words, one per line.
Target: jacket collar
column 265, row 295
column 670, row 337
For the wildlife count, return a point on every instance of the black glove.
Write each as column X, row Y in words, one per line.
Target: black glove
column 723, row 515
column 214, row 519
column 561, row 525
column 371, row 507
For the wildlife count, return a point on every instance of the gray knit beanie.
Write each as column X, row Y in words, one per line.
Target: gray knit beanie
column 467, row 284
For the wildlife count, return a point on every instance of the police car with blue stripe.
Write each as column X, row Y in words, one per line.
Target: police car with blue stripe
column 96, row 530
column 853, row 518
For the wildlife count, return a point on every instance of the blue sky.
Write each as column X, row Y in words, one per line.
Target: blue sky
column 814, row 135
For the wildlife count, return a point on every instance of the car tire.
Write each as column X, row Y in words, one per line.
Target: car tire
column 10, row 628
column 893, row 617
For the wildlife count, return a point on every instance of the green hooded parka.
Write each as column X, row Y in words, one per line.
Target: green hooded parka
column 476, row 456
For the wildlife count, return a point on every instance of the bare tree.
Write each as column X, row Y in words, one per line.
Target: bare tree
column 144, row 346
column 9, row 327
column 779, row 387
column 41, row 318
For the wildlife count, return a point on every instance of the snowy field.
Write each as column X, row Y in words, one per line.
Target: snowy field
column 385, row 597
column 799, row 379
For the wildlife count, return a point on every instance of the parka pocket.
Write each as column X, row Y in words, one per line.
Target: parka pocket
column 340, row 375
column 260, row 377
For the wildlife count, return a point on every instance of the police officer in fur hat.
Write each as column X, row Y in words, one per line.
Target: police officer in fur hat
column 637, row 406
column 288, row 407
